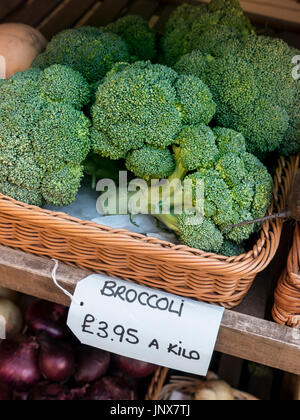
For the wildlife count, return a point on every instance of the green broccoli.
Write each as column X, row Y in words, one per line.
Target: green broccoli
column 66, row 84
column 230, row 249
column 147, row 163
column 188, row 25
column 254, row 90
column 44, row 137
column 228, row 186
column 228, row 198
column 141, row 40
column 90, row 51
column 147, row 111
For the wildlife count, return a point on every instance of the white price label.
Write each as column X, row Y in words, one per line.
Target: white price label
column 2, row 328
column 145, row 324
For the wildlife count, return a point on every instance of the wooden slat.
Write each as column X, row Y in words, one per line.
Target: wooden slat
column 282, row 4
column 268, row 11
column 240, row 335
column 8, row 6
column 64, row 16
column 260, row 341
column 32, row 12
column 144, row 8
column 106, row 12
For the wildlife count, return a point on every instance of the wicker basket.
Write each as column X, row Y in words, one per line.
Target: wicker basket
column 286, row 309
column 148, row 261
column 162, row 390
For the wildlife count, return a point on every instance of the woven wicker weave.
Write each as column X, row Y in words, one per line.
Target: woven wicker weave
column 160, row 389
column 286, row 309
column 148, row 261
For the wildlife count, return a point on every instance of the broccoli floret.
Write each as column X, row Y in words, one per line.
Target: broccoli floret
column 25, row 173
column 205, row 236
column 90, row 51
column 60, row 186
column 188, row 25
column 195, row 100
column 229, row 141
column 62, row 84
column 61, row 135
column 33, row 197
column 197, row 147
column 42, row 136
column 21, row 87
column 232, row 169
column 140, row 39
column 241, row 233
column 149, row 107
column 215, row 41
column 150, row 163
column 177, row 28
column 254, row 90
column 230, row 249
column 218, row 203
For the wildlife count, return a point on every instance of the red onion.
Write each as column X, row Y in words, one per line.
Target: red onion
column 92, row 364
column 49, row 392
column 56, row 360
column 5, row 393
column 47, row 317
column 110, row 389
column 133, row 383
column 19, row 363
column 134, row 368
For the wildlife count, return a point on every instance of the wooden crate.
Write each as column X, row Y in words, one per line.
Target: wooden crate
column 51, row 16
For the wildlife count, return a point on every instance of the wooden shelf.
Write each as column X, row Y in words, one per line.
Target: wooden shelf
column 242, row 334
column 245, row 332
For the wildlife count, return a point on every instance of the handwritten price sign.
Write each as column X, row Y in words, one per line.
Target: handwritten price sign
column 145, row 324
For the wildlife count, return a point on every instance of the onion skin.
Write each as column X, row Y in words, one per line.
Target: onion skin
column 19, row 363
column 47, row 317
column 134, row 368
column 56, row 359
column 19, row 44
column 110, row 388
column 92, row 364
column 12, row 316
column 5, row 393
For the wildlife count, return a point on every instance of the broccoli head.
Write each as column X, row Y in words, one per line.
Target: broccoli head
column 44, row 135
column 90, row 51
column 254, row 90
column 236, row 187
column 147, row 111
column 141, row 40
column 188, row 26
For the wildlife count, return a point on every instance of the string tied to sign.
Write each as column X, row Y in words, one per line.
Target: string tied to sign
column 54, row 271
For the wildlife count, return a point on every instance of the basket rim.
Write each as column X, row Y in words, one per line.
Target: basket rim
column 250, row 263
column 190, row 384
